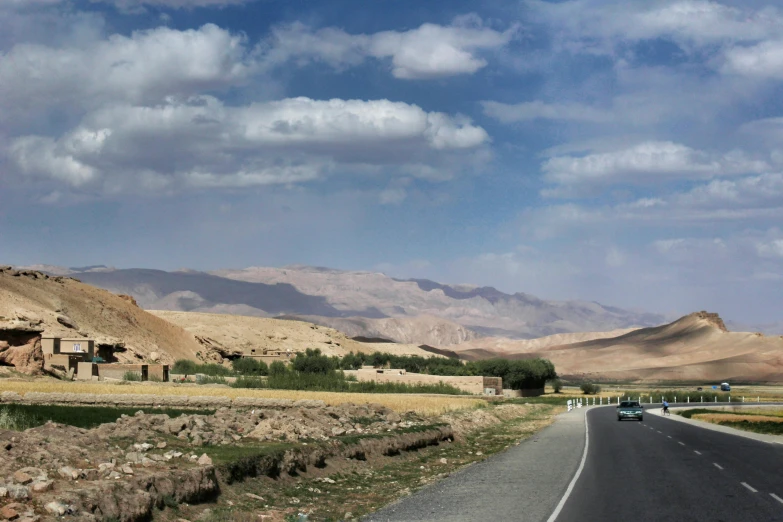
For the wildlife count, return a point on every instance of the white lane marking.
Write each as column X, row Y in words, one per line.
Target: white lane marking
column 681, row 443
column 669, row 436
column 659, row 432
column 697, row 452
column 717, row 465
column 570, row 488
column 752, row 490
column 776, row 497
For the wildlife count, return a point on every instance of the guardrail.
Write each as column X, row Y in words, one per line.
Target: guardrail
column 599, row 401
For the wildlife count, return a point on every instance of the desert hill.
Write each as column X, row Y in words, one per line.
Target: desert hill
column 697, row 347
column 232, row 334
column 366, row 304
column 424, row 329
column 60, row 306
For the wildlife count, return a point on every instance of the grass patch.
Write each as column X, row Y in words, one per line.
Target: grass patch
column 765, row 427
column 20, row 417
column 131, row 376
column 423, row 405
column 744, row 419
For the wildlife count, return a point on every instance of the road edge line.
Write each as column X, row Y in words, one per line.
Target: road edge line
column 571, row 485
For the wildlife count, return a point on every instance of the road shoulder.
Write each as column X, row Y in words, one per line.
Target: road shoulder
column 528, row 479
column 771, row 439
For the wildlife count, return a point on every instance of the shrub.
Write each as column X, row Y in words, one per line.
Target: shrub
column 184, row 366
column 131, row 376
column 249, row 366
column 557, row 385
column 187, row 367
column 211, row 379
column 312, row 361
column 249, row 382
column 590, row 388
column 277, row 368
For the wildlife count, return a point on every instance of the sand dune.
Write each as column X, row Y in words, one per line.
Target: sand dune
column 697, row 347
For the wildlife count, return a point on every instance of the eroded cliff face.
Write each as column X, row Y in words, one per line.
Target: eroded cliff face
column 20, row 346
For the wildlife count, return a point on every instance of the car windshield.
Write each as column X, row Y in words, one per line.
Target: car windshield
column 629, row 404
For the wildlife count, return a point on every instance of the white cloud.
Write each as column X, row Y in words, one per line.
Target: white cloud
column 773, row 249
column 392, row 196
column 647, row 162
column 764, row 60
column 598, row 26
column 203, row 143
column 429, row 51
column 142, row 68
column 526, row 111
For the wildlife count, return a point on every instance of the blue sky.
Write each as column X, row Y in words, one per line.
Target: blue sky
column 627, row 152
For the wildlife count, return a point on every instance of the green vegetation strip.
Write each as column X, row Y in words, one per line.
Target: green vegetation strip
column 764, row 427
column 19, row 417
column 315, row 371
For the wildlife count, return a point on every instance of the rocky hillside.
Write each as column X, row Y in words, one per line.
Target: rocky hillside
column 33, row 304
column 697, row 347
column 429, row 330
column 230, row 335
column 345, row 300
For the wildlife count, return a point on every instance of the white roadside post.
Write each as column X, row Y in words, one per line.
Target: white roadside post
column 729, row 398
column 689, row 399
column 716, row 398
column 702, row 398
column 675, row 399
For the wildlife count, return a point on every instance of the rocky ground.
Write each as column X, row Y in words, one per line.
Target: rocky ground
column 146, row 466
column 122, row 470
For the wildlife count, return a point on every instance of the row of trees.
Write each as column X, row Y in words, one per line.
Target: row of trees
column 517, row 374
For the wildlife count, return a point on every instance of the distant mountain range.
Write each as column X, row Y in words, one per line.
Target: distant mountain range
column 367, row 304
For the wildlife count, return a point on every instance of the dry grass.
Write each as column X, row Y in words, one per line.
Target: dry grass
column 717, row 418
column 428, row 405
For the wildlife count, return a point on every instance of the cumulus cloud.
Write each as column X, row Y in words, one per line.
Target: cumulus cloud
column 141, row 68
column 527, row 111
column 599, row 26
column 764, row 60
column 645, row 163
column 201, row 142
column 429, row 51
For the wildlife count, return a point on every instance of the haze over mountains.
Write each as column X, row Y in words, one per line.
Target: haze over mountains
column 365, row 304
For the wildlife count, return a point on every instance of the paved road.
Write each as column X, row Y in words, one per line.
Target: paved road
column 663, row 470
column 523, row 483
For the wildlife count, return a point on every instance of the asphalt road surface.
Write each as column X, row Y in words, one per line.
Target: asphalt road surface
column 663, row 470
column 657, row 470
column 525, row 482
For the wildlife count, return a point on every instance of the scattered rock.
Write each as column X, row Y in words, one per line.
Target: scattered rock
column 67, row 322
column 56, row 508
column 444, row 461
column 42, row 485
column 20, row 477
column 67, row 472
column 18, row 492
column 204, row 460
column 254, row 496
column 9, row 513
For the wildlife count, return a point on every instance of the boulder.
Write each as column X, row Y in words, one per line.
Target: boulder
column 67, row 322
